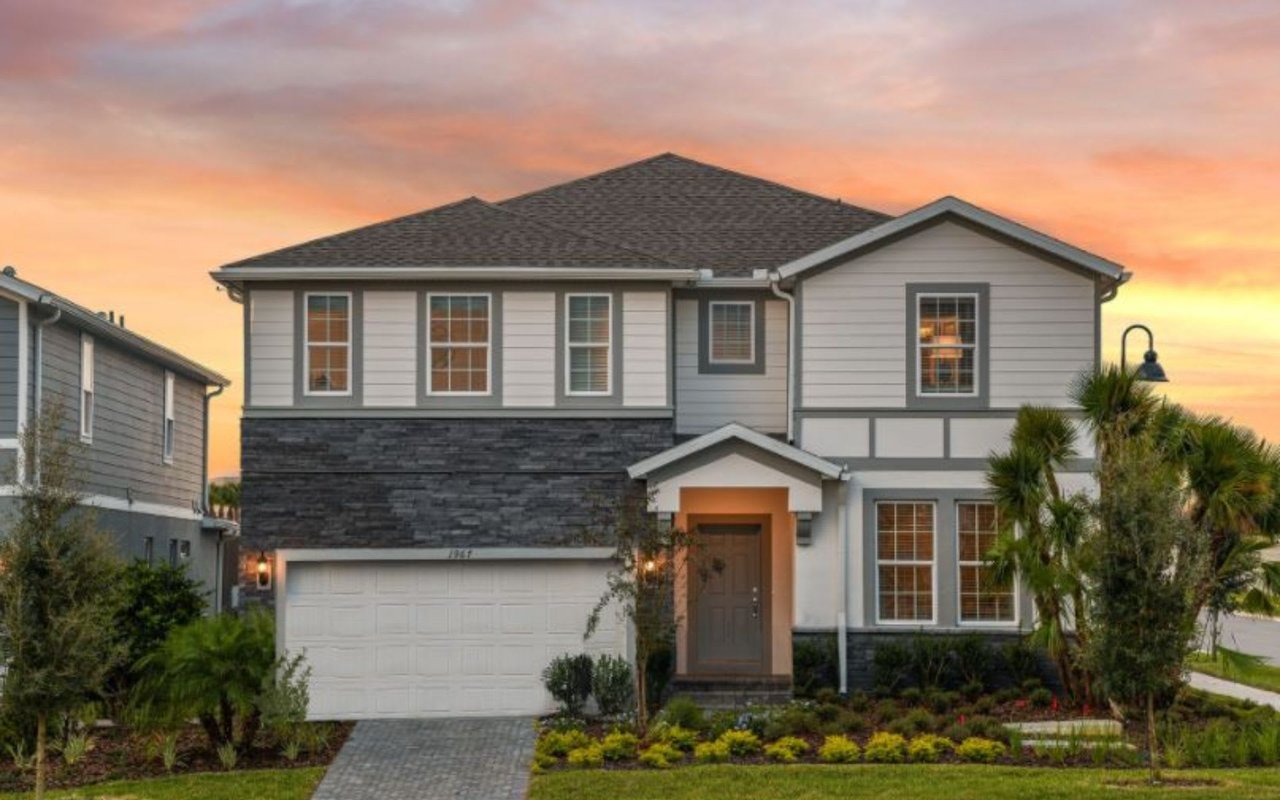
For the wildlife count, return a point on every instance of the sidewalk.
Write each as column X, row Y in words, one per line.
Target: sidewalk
column 1208, row 683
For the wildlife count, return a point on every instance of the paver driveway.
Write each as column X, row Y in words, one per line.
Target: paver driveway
column 433, row 759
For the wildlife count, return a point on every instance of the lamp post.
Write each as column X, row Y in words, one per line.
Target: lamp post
column 1150, row 369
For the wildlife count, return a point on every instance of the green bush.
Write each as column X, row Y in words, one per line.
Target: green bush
column 973, row 660
column 859, row 701
column 584, row 757
column 981, row 751
column 683, row 712
column 1021, row 661
column 680, row 738
column 613, row 685
column 660, row 756
column 928, row 748
column 912, row 695
column 568, row 680
column 891, row 667
column 786, row 750
column 619, row 746
column 560, row 743
column 791, row 721
column 931, row 660
column 716, row 752
column 839, row 750
column 815, row 665
column 914, row 722
column 852, row 722
column 1041, row 698
column 886, row 748
column 741, row 743
column 155, row 600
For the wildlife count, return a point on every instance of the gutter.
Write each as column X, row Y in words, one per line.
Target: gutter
column 842, row 620
column 774, row 279
column 204, row 450
column 1114, row 288
column 228, row 276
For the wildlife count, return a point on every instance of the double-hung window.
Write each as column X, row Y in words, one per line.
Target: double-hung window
column 588, row 339
column 458, row 343
column 983, row 599
column 904, row 562
column 731, row 332
column 947, row 345
column 86, row 388
column 168, row 432
column 328, row 345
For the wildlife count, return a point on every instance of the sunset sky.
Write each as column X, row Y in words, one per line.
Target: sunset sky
column 143, row 144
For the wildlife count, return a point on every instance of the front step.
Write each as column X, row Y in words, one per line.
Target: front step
column 732, row 692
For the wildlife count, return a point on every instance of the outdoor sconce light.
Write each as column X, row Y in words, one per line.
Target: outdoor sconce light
column 804, row 528
column 666, row 518
column 264, row 571
column 1150, row 369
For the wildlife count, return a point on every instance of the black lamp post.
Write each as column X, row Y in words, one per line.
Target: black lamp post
column 1150, row 369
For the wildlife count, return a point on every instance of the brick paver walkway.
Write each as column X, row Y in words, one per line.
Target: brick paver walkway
column 433, row 759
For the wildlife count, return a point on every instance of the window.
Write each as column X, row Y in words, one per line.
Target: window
column 179, row 551
column 982, row 599
column 589, row 327
column 328, row 353
column 149, row 549
column 947, row 344
column 173, row 552
column 904, row 561
column 731, row 332
column 458, row 337
column 168, row 418
column 86, row 388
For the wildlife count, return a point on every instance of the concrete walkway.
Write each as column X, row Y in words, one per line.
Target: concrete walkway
column 436, row 759
column 1208, row 683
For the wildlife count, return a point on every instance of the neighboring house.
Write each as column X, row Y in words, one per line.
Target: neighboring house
column 139, row 411
column 810, row 386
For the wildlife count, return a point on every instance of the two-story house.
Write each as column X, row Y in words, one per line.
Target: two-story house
column 140, row 413
column 811, row 387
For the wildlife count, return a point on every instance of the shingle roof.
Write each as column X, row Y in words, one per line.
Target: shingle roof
column 468, row 233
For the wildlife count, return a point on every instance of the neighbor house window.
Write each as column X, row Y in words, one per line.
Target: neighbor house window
column 179, row 551
column 458, row 341
column 982, row 598
column 328, row 352
column 86, row 388
column 904, row 561
column 589, row 330
column 149, row 549
column 947, row 344
column 731, row 332
column 168, row 418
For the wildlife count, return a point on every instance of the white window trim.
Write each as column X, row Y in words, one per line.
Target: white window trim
column 569, row 345
column 908, row 623
column 976, row 346
column 306, row 346
column 488, row 345
column 88, row 366
column 1017, row 595
column 751, row 332
column 168, row 441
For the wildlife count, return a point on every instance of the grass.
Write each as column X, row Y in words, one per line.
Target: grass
column 277, row 784
column 1261, row 676
column 919, row 782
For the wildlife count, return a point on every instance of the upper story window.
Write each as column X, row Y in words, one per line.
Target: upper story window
column 904, row 562
column 168, row 418
column 947, row 344
column 458, row 342
column 983, row 599
column 731, row 332
column 328, row 346
column 86, row 388
column 589, row 332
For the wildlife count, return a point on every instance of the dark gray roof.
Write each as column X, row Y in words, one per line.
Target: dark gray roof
column 468, row 233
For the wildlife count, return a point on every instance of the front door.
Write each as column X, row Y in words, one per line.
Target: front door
column 728, row 616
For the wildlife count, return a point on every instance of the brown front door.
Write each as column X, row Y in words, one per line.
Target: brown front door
column 728, row 619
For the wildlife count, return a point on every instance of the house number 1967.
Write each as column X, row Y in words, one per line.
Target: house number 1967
column 457, row 554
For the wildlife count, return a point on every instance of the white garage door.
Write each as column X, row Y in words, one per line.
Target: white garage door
column 439, row 638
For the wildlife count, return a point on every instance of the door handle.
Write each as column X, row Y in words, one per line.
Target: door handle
column 755, row 602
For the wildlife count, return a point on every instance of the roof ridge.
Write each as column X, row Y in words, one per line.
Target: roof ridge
column 582, row 178
column 583, row 234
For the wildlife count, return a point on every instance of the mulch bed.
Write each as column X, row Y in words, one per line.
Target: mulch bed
column 119, row 754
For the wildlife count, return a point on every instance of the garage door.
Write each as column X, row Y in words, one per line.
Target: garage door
column 438, row 638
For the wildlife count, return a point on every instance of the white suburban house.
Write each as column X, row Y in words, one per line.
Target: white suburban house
column 810, row 386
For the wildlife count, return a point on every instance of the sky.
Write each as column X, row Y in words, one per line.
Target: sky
column 143, row 144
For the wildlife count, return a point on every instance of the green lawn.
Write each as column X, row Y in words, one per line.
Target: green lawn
column 1262, row 676
column 875, row 782
column 276, row 784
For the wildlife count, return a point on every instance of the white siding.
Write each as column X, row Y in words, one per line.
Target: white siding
column 271, row 348
column 909, row 438
column 390, row 355
column 830, row 436
column 644, row 348
column 978, row 438
column 854, row 321
column 528, row 349
column 705, row 402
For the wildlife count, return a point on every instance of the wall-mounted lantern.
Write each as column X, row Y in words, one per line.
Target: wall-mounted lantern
column 263, row 571
column 804, row 528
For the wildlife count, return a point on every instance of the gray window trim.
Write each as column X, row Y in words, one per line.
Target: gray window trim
column 875, row 562
column 982, row 398
column 427, row 345
column 614, row 393
column 350, row 344
column 708, row 367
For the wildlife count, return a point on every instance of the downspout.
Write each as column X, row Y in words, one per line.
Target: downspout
column 774, row 279
column 38, row 377
column 842, row 614
column 204, row 450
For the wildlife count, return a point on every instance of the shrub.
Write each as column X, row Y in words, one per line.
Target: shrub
column 891, row 667
column 958, row 732
column 284, row 701
column 660, row 756
column 77, row 746
column 930, row 660
column 815, row 665
column 676, row 736
column 928, row 748
column 942, row 702
column 792, row 721
column 613, row 685
column 980, row 751
column 542, row 762
column 1021, row 661
column 716, row 752
column 911, row 695
column 583, row 757
column 839, row 750
column 683, row 712
column 741, row 743
column 984, row 705
column 1041, row 698
column 568, row 679
column 859, row 701
column 886, row 748
column 720, row 722
column 973, row 690
column 852, row 722
column 827, row 712
column 973, row 659
column 560, row 743
column 619, row 746
column 155, row 600
column 786, row 750
column 914, row 722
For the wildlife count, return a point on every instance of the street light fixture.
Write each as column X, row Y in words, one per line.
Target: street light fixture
column 1150, row 369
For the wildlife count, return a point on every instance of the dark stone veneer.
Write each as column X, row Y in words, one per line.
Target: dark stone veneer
column 389, row 482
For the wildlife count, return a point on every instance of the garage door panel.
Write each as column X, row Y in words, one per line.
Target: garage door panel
column 432, row 618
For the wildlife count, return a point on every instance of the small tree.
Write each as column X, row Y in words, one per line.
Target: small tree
column 58, row 590
column 650, row 558
column 1148, row 559
column 155, row 599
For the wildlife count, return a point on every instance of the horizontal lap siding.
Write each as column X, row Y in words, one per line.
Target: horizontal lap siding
column 529, row 349
column 390, row 351
column 1042, row 325
column 644, row 348
column 8, row 368
column 270, row 348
